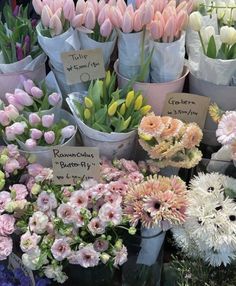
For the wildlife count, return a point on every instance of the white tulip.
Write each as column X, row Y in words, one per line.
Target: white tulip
column 195, row 21
column 228, row 35
column 206, row 33
column 227, row 16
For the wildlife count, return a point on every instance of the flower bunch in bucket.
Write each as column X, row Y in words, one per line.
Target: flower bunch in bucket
column 169, row 141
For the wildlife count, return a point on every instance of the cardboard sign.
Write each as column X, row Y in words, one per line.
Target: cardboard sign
column 187, row 107
column 14, row 262
column 71, row 164
column 83, row 66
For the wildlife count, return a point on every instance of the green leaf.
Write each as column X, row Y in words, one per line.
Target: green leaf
column 97, row 94
column 101, row 127
column 232, row 52
column 211, row 48
column 100, row 115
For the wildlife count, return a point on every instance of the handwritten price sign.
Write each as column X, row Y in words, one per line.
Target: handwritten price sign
column 71, row 164
column 83, row 66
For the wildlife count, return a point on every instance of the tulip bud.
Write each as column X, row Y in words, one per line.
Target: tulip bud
column 23, row 98
column 106, row 28
column 38, row 6
column 78, row 21
column 35, row 133
column 30, row 143
column 35, row 189
column 90, row 19
column 12, row 100
column 2, row 175
column 55, row 25
column 18, row 127
column 129, row 98
column 49, row 137
column 3, row 159
column 28, row 85
column 87, row 114
column 11, row 112
column 54, row 98
column 4, row 119
column 9, row 132
column 36, row 92
column 80, row 7
column 206, row 33
column 112, row 109
column 115, row 17
column 88, row 102
column 69, row 10
column 145, row 109
column 47, row 120
column 46, row 16
column 138, row 23
column 121, row 5
column 195, row 21
column 156, row 29
column 228, row 35
column 138, row 102
column 34, row 119
column 122, row 109
column 108, row 78
column 127, row 122
column 127, row 25
column 104, row 257
column 68, row 131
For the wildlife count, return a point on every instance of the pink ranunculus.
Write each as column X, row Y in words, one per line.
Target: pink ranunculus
column 35, row 133
column 88, row 184
column 79, row 220
column 11, row 166
column 10, row 134
column 34, row 169
column 113, row 198
column 23, row 98
column 19, row 190
column 5, row 247
column 87, row 256
column 60, row 249
column 66, row 213
column 79, row 199
column 54, row 98
column 22, row 161
column 130, row 166
column 49, row 137
column 96, row 226
column 117, row 187
column 47, row 120
column 101, row 245
column 7, row 224
column 38, row 222
column 29, row 241
column 135, row 177
column 28, row 85
column 34, row 119
column 68, row 131
column 110, row 213
column 4, row 119
column 121, row 256
column 30, row 143
column 66, row 193
column 12, row 150
column 36, row 92
column 5, row 198
column 11, row 111
column 46, row 201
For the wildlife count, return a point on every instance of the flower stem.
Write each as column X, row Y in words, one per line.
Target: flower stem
column 203, row 47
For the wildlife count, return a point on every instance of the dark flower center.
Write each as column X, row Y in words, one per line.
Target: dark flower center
column 232, row 217
column 157, row 205
column 210, row 189
column 218, row 208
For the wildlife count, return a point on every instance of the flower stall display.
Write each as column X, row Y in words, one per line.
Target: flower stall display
column 158, row 204
column 95, row 22
column 43, row 98
column 108, row 117
column 169, row 141
column 19, row 50
column 209, row 230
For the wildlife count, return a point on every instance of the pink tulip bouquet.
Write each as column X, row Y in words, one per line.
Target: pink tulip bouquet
column 168, row 41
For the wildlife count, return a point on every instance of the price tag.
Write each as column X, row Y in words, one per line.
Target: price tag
column 83, row 65
column 187, row 107
column 71, row 164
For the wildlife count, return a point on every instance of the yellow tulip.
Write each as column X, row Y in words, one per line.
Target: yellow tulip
column 138, row 102
column 145, row 137
column 122, row 109
column 127, row 122
column 112, row 109
column 129, row 98
column 108, row 78
column 88, row 102
column 87, row 113
column 145, row 109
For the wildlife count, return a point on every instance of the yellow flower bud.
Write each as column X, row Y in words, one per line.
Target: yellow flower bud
column 88, row 102
column 3, row 159
column 145, row 109
column 87, row 113
column 138, row 102
column 108, row 78
column 145, row 137
column 2, row 184
column 122, row 109
column 127, row 122
column 112, row 109
column 129, row 98
column 2, row 175
column 104, row 257
column 35, row 189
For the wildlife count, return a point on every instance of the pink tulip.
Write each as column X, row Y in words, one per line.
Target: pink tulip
column 181, row 6
column 47, row 120
column 35, row 133
column 54, row 98
column 103, row 14
column 9, row 132
column 57, row 5
column 69, row 10
column 106, row 28
column 78, row 21
column 182, row 20
column 38, row 6
column 169, row 30
column 46, row 16
column 58, row 13
column 127, row 25
column 190, row 5
column 4, row 119
column 121, row 6
column 94, row 5
column 34, row 119
column 49, row 137
column 130, row 10
column 138, row 24
column 90, row 20
column 172, row 3
column 11, row 111
column 138, row 3
column 23, row 98
column 168, row 12
column 115, row 17
column 68, row 131
column 80, row 7
column 36, row 92
column 156, row 29
column 55, row 25
column 28, row 84
column 112, row 2
column 30, row 143
column 12, row 100
column 18, row 128
column 158, row 17
column 147, row 11
column 159, row 5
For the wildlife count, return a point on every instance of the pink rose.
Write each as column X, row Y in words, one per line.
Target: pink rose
column 60, row 249
column 5, row 247
column 5, row 198
column 20, row 191
column 7, row 223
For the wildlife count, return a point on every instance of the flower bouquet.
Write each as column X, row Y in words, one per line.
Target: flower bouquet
column 109, row 116
column 209, row 230
column 95, row 22
column 169, row 141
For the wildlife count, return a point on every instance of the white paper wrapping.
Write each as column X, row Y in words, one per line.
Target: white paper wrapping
column 150, row 247
column 167, row 60
column 220, row 160
column 129, row 50
column 107, row 47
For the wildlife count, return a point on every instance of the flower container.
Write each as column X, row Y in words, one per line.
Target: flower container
column 222, row 95
column 110, row 145
column 10, row 81
column 155, row 93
